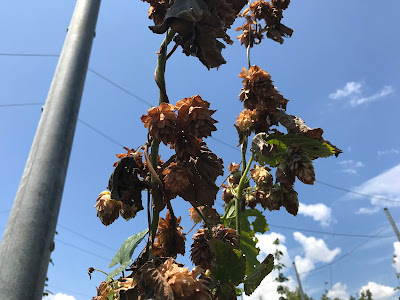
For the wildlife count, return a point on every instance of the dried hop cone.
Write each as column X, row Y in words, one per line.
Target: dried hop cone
column 169, row 237
column 107, row 208
column 259, row 91
column 208, row 212
column 194, row 117
column 161, row 122
column 262, row 177
column 300, row 164
column 201, row 253
column 157, row 11
column 176, row 178
column 184, row 284
column 246, row 119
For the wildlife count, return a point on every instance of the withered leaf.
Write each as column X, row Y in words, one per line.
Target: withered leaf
column 296, row 125
column 156, row 283
column 124, row 184
column 197, row 30
column 205, row 169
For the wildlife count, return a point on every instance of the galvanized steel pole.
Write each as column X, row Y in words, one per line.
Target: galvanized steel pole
column 298, row 280
column 28, row 237
column 396, row 231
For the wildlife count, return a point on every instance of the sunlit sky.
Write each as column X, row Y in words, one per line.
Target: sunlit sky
column 340, row 71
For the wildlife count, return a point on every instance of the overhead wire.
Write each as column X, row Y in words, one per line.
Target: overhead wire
column 86, row 238
column 347, row 254
column 81, row 249
column 329, row 233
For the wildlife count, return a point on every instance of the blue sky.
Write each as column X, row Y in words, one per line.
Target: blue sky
column 340, row 71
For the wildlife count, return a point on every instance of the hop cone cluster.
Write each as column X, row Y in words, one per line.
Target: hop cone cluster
column 201, row 252
column 181, row 126
column 272, row 14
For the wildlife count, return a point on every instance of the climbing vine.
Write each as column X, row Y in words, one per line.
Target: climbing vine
column 224, row 251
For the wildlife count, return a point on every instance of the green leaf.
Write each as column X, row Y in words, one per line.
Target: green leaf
column 263, row 143
column 230, row 263
column 124, row 253
column 258, row 225
column 231, row 212
column 254, row 279
column 248, row 247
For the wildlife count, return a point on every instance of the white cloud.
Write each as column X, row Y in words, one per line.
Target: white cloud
column 368, row 210
column 303, row 264
column 315, row 250
column 385, row 185
column 353, row 94
column 379, row 291
column 338, row 291
column 396, row 260
column 350, row 166
column 319, row 212
column 350, row 89
column 59, row 296
column 388, row 152
column 267, row 288
column 386, row 90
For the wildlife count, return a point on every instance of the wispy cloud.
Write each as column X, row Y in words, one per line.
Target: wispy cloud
column 319, row 212
column 388, row 152
column 368, row 210
column 353, row 93
column 385, row 185
column 350, row 89
column 350, row 166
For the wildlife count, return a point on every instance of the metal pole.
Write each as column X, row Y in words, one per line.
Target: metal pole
column 298, row 280
column 25, row 248
column 392, row 223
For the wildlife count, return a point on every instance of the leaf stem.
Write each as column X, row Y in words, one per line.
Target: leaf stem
column 238, row 199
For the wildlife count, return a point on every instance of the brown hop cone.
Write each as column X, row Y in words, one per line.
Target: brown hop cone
column 227, row 195
column 300, row 164
column 176, row 178
column 246, row 120
column 291, row 202
column 250, row 35
column 262, row 177
column 280, row 4
column 194, row 117
column 184, row 284
column 128, row 211
column 194, row 216
column 233, row 168
column 169, row 237
column 251, row 201
column 208, row 212
column 157, row 10
column 272, row 200
column 257, row 88
column 225, row 234
column 285, row 177
column 107, row 208
column 161, row 122
column 201, row 253
column 186, row 146
column 263, row 10
column 143, row 171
